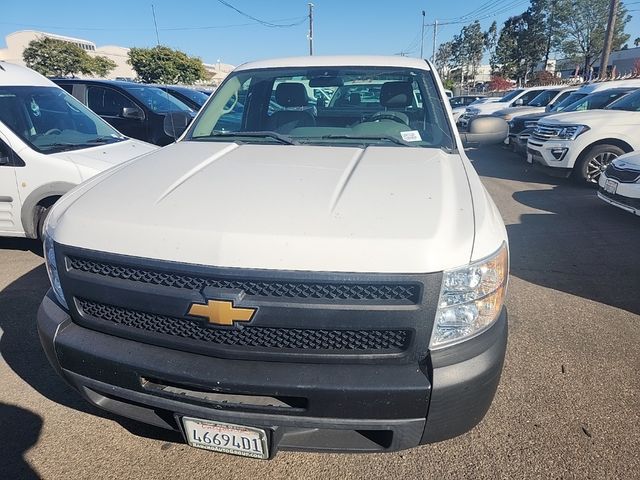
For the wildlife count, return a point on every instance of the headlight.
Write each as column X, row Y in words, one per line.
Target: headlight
column 571, row 132
column 471, row 299
column 511, row 124
column 50, row 261
column 472, row 112
column 530, row 124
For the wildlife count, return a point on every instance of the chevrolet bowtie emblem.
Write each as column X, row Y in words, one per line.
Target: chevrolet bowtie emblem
column 221, row 312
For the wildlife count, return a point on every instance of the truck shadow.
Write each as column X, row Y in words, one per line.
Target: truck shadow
column 21, row 350
column 24, row 427
column 563, row 237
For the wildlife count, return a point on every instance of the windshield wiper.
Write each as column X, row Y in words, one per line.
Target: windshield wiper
column 105, row 139
column 387, row 138
column 268, row 134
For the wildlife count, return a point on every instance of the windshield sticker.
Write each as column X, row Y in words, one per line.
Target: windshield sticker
column 411, row 136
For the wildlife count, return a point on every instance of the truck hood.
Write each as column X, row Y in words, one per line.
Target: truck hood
column 314, row 208
column 489, row 107
column 101, row 157
column 593, row 118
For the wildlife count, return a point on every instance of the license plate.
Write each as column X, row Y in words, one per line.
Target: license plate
column 226, row 438
column 611, row 186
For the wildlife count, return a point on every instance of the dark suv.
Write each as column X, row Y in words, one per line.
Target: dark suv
column 136, row 110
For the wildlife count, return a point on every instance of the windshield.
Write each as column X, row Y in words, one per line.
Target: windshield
column 574, row 97
column 596, row 100
column 543, row 99
column 156, row 99
column 50, row 120
column 195, row 95
column 630, row 103
column 359, row 106
column 511, row 95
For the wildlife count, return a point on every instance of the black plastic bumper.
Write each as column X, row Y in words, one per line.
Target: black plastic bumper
column 346, row 407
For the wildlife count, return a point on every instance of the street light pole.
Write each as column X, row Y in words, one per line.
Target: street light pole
column 422, row 36
column 435, row 34
column 310, row 28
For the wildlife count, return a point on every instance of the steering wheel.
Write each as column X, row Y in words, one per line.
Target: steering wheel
column 226, row 110
column 53, row 131
column 393, row 116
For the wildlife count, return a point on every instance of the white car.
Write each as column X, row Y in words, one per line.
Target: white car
column 49, row 143
column 539, row 103
column 619, row 184
column 584, row 143
column 515, row 98
column 327, row 279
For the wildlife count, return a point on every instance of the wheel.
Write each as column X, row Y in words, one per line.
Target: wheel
column 41, row 216
column 594, row 161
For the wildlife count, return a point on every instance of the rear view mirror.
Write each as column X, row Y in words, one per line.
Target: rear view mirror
column 175, row 123
column 326, row 82
column 485, row 130
column 132, row 113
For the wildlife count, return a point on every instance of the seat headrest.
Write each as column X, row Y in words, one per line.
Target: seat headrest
column 291, row 94
column 396, row 94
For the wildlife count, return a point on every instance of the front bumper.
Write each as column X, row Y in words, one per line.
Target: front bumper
column 556, row 158
column 625, row 195
column 320, row 407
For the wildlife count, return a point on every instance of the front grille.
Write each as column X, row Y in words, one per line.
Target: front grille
column 628, row 201
column 622, row 175
column 261, row 288
column 544, row 133
column 356, row 341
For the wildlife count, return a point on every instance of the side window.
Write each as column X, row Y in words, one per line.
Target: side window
column 527, row 97
column 106, row 101
column 67, row 88
column 562, row 97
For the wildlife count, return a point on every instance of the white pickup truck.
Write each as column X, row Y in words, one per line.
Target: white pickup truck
column 324, row 278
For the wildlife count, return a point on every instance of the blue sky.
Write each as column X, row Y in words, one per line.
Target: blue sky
column 341, row 26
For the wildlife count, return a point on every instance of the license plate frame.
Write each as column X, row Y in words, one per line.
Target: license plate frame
column 611, row 186
column 241, row 440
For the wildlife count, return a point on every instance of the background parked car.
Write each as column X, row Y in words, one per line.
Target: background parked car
column 49, row 143
column 195, row 99
column 584, row 143
column 538, row 104
column 620, row 183
column 521, row 128
column 134, row 109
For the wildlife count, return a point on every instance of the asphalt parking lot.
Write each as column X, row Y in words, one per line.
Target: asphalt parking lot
column 568, row 405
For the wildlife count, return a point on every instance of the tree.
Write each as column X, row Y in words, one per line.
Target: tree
column 444, row 59
column 162, row 64
column 101, row 66
column 499, row 84
column 584, row 24
column 636, row 42
column 521, row 45
column 52, row 57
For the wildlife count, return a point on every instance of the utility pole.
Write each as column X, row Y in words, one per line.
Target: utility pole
column 422, row 36
column 310, row 28
column 435, row 34
column 608, row 39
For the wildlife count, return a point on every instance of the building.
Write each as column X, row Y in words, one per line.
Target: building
column 16, row 43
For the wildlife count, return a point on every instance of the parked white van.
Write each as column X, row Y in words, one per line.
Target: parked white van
column 49, row 143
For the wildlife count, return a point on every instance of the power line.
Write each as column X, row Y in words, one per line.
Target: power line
column 262, row 22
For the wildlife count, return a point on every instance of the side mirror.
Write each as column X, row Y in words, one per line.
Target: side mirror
column 518, row 103
column 485, row 130
column 175, row 123
column 132, row 113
